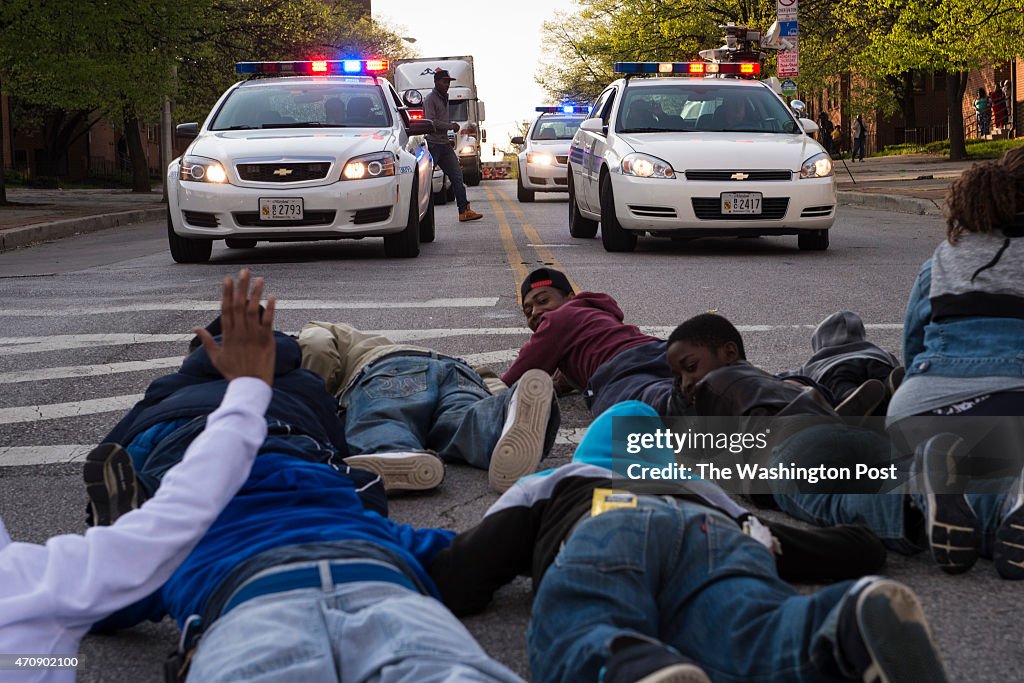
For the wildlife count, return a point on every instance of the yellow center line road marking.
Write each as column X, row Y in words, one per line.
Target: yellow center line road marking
column 515, row 259
column 546, row 255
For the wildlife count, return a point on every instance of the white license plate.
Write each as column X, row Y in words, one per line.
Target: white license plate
column 280, row 209
column 741, row 202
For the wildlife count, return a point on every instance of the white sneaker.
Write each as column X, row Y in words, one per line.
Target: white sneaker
column 521, row 444
column 407, row 470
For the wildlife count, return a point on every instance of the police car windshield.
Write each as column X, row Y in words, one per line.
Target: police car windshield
column 303, row 105
column 706, row 106
column 551, row 128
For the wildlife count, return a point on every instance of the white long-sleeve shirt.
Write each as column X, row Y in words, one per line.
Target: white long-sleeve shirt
column 51, row 594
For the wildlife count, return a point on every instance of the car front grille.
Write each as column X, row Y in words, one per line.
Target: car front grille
column 727, row 176
column 377, row 215
column 293, row 172
column 200, row 219
column 710, row 209
column 251, row 219
column 653, row 211
column 816, row 211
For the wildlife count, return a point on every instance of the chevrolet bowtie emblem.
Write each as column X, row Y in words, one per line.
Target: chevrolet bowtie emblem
column 735, row 176
column 288, row 171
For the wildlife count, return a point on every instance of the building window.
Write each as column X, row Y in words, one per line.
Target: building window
column 917, row 77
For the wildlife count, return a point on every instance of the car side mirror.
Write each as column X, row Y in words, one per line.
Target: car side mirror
column 187, row 130
column 809, row 126
column 518, row 140
column 419, row 127
column 798, row 106
column 594, row 126
column 481, row 110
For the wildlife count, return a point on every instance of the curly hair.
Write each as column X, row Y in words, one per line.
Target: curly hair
column 710, row 331
column 986, row 196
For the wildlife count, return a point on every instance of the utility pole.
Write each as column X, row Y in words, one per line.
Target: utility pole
column 166, row 136
column 3, row 166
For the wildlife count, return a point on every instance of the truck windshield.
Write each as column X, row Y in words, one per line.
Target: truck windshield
column 703, row 107
column 458, row 111
column 555, row 128
column 303, row 105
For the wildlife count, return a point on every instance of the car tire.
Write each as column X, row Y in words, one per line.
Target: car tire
column 613, row 235
column 239, row 243
column 472, row 179
column 427, row 225
column 522, row 193
column 813, row 240
column 579, row 226
column 406, row 244
column 186, row 250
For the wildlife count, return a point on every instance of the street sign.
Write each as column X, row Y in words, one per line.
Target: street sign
column 788, row 87
column 788, row 29
column 789, row 60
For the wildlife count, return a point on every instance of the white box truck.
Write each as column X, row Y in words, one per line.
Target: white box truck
column 463, row 105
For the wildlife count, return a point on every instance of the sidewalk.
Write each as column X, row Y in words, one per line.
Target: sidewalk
column 914, row 183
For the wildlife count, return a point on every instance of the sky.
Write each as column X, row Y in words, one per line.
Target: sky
column 504, row 37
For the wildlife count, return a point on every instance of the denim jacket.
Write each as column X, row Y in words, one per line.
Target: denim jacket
column 962, row 346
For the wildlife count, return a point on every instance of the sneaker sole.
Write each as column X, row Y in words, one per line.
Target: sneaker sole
column 110, row 483
column 860, row 405
column 896, row 635
column 519, row 450
column 952, row 525
column 402, row 472
column 677, row 673
column 1008, row 556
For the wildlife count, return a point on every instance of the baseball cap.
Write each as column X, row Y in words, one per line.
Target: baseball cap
column 442, row 73
column 546, row 277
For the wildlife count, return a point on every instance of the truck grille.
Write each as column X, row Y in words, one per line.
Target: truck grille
column 295, row 172
column 726, row 176
column 251, row 219
column 710, row 209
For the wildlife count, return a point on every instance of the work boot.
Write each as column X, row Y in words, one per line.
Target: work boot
column 468, row 214
column 521, row 445
column 953, row 527
column 110, row 483
column 402, row 471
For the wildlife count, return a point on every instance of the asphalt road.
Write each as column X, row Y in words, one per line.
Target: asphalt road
column 88, row 322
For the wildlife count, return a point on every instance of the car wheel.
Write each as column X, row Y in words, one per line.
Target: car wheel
column 578, row 225
column 427, row 227
column 613, row 236
column 813, row 240
column 238, row 243
column 186, row 250
column 522, row 193
column 472, row 179
column 406, row 244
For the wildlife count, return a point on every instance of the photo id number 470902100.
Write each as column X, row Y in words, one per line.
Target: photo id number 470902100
column 14, row 662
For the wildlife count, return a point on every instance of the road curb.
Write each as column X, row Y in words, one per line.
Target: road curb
column 41, row 232
column 890, row 202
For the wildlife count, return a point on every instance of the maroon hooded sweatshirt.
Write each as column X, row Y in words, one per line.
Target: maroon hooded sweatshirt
column 577, row 338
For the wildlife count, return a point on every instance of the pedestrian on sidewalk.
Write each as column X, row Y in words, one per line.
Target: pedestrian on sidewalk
column 860, row 136
column 998, row 100
column 983, row 111
column 435, row 108
column 825, row 126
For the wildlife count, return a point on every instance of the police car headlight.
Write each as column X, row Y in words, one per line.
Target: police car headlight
column 818, row 166
column 377, row 165
column 201, row 170
column 540, row 158
column 646, row 166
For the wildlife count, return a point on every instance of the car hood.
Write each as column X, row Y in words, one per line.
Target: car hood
column 279, row 145
column 748, row 151
column 551, row 146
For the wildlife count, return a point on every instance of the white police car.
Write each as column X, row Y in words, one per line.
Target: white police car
column 307, row 151
column 690, row 157
column 544, row 154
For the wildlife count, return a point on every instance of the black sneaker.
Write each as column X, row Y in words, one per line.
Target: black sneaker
column 111, row 484
column 862, row 401
column 1009, row 551
column 952, row 525
column 884, row 636
column 519, row 449
column 642, row 661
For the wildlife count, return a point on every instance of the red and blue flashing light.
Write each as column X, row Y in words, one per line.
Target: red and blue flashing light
column 689, row 68
column 565, row 109
column 315, row 67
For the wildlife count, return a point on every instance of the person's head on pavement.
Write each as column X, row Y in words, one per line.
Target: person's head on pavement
column 544, row 290
column 442, row 80
column 701, row 344
column 987, row 197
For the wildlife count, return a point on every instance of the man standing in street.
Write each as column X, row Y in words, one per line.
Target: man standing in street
column 435, row 108
column 860, row 136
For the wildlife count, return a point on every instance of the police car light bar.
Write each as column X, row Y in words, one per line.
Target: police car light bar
column 689, row 68
column 350, row 67
column 565, row 109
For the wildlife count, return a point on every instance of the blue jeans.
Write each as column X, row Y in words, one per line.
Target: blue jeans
column 363, row 631
column 687, row 576
column 413, row 403
column 446, row 159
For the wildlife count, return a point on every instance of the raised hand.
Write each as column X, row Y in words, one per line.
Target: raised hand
column 247, row 347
